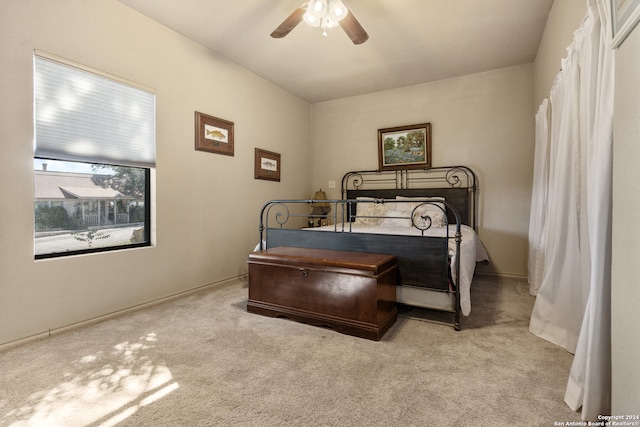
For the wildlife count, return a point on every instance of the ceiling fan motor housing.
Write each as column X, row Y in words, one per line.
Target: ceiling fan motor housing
column 325, row 13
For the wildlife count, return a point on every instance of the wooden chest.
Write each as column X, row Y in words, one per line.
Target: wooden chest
column 352, row 292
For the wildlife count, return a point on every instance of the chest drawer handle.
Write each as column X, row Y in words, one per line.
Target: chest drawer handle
column 305, row 273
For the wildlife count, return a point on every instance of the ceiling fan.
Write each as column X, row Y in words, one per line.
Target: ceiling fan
column 324, row 14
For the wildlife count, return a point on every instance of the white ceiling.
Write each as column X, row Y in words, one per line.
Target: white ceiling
column 410, row 41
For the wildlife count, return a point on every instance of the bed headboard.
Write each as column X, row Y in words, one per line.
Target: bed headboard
column 457, row 184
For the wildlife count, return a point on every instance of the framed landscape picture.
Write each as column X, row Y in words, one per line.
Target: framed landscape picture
column 214, row 135
column 267, row 165
column 404, row 147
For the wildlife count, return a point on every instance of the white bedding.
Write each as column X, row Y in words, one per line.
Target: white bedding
column 471, row 250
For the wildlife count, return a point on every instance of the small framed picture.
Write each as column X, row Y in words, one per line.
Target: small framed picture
column 214, row 135
column 267, row 165
column 404, row 147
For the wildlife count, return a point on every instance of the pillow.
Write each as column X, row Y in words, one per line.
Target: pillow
column 369, row 209
column 415, row 201
column 392, row 219
column 430, row 211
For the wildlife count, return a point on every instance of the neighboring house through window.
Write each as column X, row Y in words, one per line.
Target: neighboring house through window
column 94, row 151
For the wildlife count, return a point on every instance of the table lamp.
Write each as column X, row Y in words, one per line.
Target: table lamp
column 319, row 210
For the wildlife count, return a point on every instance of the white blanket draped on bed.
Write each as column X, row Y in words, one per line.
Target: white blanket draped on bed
column 471, row 250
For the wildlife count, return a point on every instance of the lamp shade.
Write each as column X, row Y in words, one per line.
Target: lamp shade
column 318, row 206
column 320, row 195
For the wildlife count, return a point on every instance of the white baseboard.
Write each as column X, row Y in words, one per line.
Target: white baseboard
column 502, row 275
column 56, row 331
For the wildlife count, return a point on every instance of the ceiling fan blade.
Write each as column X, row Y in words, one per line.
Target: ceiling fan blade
column 354, row 30
column 290, row 23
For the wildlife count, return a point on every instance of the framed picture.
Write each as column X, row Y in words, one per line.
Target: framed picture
column 267, row 165
column 214, row 135
column 625, row 15
column 404, row 147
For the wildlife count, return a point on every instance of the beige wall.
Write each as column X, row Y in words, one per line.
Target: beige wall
column 206, row 205
column 484, row 121
column 565, row 18
column 625, row 294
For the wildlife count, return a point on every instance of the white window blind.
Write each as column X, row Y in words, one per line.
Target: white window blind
column 85, row 115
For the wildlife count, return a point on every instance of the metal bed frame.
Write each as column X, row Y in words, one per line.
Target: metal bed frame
column 423, row 261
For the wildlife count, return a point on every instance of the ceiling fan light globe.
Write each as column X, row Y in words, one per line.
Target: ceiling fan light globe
column 310, row 19
column 317, row 8
column 337, row 10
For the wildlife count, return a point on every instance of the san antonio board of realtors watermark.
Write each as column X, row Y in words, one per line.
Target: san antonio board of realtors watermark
column 604, row 420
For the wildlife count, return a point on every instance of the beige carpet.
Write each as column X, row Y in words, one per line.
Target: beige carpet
column 202, row 360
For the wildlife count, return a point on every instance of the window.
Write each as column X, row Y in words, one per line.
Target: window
column 94, row 151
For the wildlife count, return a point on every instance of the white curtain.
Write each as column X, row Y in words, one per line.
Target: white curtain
column 590, row 378
column 539, row 197
column 571, row 241
column 560, row 288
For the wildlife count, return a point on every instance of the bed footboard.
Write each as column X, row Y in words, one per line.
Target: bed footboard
column 424, row 260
